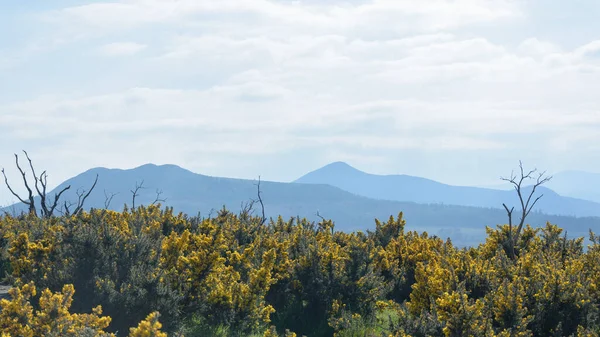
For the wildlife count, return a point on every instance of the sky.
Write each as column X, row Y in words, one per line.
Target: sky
column 453, row 90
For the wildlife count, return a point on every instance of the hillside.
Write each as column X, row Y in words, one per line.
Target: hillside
column 420, row 190
column 191, row 193
column 577, row 184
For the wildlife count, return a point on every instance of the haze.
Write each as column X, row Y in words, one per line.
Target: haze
column 456, row 91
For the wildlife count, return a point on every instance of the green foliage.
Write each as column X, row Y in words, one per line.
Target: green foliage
column 234, row 275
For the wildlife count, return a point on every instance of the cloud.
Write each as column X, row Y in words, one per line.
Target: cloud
column 536, row 48
column 212, row 84
column 363, row 17
column 589, row 50
column 122, row 48
column 292, row 94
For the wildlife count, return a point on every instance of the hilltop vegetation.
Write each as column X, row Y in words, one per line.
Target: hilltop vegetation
column 148, row 271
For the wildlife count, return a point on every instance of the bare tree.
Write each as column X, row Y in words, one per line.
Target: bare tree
column 108, row 199
column 135, row 191
column 40, row 185
column 262, row 205
column 158, row 199
column 30, row 202
column 82, row 195
column 247, row 208
column 525, row 201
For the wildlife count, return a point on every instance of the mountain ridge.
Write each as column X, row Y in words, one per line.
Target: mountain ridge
column 577, row 183
column 194, row 193
column 422, row 190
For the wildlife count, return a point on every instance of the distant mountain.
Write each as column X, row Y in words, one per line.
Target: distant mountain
column 577, row 184
column 191, row 193
column 421, row 190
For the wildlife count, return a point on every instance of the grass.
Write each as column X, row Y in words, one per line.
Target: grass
column 196, row 326
column 378, row 327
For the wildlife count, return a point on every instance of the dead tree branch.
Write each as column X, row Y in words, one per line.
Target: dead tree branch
column 524, row 200
column 135, row 194
column 41, row 180
column 509, row 212
column 13, row 192
column 66, row 208
column 56, row 199
column 30, row 202
column 40, row 184
column 108, row 199
column 81, row 197
column 158, row 198
column 262, row 205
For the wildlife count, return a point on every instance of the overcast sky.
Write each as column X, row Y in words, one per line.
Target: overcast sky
column 454, row 90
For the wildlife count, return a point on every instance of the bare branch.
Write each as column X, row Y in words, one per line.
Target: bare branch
column 108, row 199
column 247, row 208
column 525, row 202
column 37, row 181
column 158, row 198
column 30, row 202
column 533, row 204
column 40, row 185
column 66, row 209
column 11, row 190
column 509, row 212
column 82, row 197
column 262, row 206
column 29, row 191
column 56, row 198
column 135, row 193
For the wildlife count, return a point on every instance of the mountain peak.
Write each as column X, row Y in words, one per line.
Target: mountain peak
column 338, row 165
column 148, row 165
column 337, row 169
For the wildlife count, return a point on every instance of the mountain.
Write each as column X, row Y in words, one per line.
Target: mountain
column 421, row 190
column 577, row 184
column 191, row 193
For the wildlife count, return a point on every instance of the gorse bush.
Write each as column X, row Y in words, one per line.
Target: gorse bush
column 51, row 316
column 103, row 273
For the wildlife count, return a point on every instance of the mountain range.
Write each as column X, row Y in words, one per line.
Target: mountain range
column 575, row 184
column 421, row 190
column 353, row 199
column 578, row 184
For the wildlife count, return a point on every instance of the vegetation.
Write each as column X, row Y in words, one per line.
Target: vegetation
column 102, row 272
column 147, row 271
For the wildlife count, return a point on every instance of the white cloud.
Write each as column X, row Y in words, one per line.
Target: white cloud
column 122, row 48
column 365, row 17
column 536, row 48
column 220, row 81
column 591, row 50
